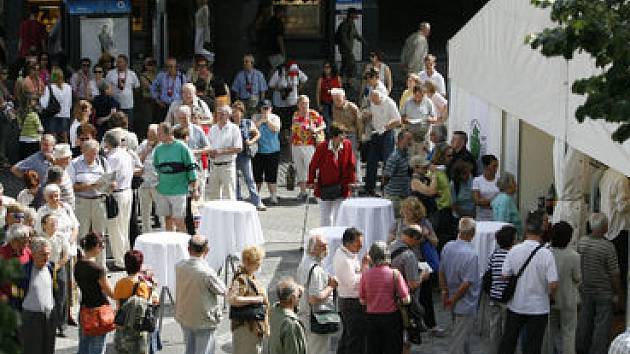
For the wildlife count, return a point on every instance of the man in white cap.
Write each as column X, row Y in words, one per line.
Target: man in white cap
column 347, row 116
column 225, row 142
column 62, row 154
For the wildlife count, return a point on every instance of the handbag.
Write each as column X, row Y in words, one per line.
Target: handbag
column 53, row 107
column 411, row 315
column 252, row 312
column 332, row 191
column 323, row 322
column 111, row 204
column 97, row 321
column 508, row 292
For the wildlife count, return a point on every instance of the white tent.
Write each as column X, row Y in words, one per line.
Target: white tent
column 489, row 60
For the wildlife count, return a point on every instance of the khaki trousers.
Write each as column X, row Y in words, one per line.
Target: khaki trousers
column 91, row 214
column 222, row 183
column 118, row 227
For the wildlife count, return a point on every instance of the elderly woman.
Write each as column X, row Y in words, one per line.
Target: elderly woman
column 485, row 187
column 503, row 205
column 245, row 290
column 331, row 171
column 437, row 136
column 563, row 314
column 128, row 341
column 67, row 223
column 379, row 289
column 95, row 290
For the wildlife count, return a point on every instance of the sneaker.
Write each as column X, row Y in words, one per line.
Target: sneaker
column 261, row 207
column 437, row 331
column 273, row 200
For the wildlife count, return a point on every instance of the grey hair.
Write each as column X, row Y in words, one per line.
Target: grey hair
column 112, row 139
column 379, row 253
column 18, row 232
column 505, row 181
column 224, row 109
column 598, row 221
column 312, row 244
column 441, row 131
column 50, row 189
column 190, row 86
column 285, row 288
column 39, row 243
column 90, row 144
column 30, row 214
column 185, row 110
column 466, row 225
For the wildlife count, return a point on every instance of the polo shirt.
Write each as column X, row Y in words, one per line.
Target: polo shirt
column 532, row 289
column 228, row 136
column 37, row 162
column 599, row 265
column 173, row 183
column 397, row 169
column 377, row 288
column 459, row 263
column 80, row 172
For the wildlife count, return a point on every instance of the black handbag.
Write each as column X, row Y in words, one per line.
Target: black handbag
column 508, row 292
column 252, row 312
column 111, row 206
column 53, row 107
column 323, row 322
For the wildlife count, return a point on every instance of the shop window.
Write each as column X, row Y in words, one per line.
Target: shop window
column 304, row 17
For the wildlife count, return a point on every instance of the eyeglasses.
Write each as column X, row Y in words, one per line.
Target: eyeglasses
column 98, row 71
column 18, row 215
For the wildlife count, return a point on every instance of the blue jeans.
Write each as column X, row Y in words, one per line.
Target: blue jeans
column 91, row 344
column 380, row 147
column 199, row 341
column 244, row 164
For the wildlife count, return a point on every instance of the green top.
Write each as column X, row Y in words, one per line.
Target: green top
column 173, row 183
column 287, row 332
column 444, row 190
column 31, row 126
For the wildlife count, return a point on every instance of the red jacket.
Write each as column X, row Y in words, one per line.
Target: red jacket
column 324, row 168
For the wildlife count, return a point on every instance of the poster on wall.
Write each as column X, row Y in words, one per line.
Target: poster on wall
column 341, row 9
column 104, row 35
column 478, row 126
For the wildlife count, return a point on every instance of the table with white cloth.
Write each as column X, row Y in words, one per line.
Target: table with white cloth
column 334, row 236
column 372, row 216
column 162, row 251
column 230, row 226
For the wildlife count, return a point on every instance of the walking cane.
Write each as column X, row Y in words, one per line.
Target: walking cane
column 308, row 197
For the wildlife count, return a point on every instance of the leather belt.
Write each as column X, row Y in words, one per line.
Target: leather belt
column 120, row 190
column 222, row 163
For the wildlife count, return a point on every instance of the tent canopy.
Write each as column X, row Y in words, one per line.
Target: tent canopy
column 490, row 59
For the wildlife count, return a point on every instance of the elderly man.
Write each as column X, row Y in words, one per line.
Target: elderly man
column 347, row 116
column 430, row 74
column 460, row 285
column 348, row 269
column 123, row 81
column 40, row 162
column 318, row 287
column 122, row 163
column 62, row 154
column 249, row 85
column 600, row 285
column 176, row 171
column 396, row 176
column 190, row 99
column 383, row 116
column 288, row 335
column 197, row 142
column 167, row 87
column 197, row 309
column 529, row 307
column 226, row 143
column 415, row 49
column 147, row 191
column 38, row 319
column 416, row 114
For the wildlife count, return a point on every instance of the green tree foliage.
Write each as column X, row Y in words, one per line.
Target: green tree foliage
column 602, row 29
column 9, row 272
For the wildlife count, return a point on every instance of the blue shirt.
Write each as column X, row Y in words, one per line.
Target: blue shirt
column 166, row 88
column 504, row 209
column 459, row 264
column 269, row 141
column 248, row 84
column 38, row 163
column 397, row 169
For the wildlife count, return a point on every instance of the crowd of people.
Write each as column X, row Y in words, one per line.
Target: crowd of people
column 97, row 144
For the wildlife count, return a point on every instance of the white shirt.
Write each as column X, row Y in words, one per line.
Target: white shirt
column 58, row 245
column 63, row 96
column 487, row 190
column 3, row 208
column 80, row 172
column 66, row 222
column 40, row 291
column 347, row 269
column 318, row 282
column 614, row 189
column 121, row 163
column 198, row 106
column 149, row 175
column 532, row 289
column 73, row 132
column 437, row 79
column 439, row 102
column 124, row 96
column 227, row 137
column 283, row 81
column 383, row 113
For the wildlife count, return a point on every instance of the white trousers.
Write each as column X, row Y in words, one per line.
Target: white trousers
column 91, row 214
column 222, row 184
column 328, row 212
column 118, row 227
column 302, row 155
column 148, row 196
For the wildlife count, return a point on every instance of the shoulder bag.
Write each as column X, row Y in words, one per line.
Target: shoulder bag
column 252, row 312
column 508, row 292
column 53, row 107
column 111, row 204
column 97, row 321
column 323, row 322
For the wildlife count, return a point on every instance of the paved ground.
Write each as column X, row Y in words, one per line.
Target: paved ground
column 282, row 227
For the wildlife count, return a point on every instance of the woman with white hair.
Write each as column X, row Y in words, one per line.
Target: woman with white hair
column 67, row 223
column 503, row 205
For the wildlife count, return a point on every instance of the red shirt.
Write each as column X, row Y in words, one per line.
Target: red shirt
column 325, row 167
column 32, row 33
column 7, row 252
column 328, row 83
column 376, row 289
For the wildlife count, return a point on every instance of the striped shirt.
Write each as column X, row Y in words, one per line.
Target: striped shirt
column 599, row 265
column 397, row 169
column 495, row 265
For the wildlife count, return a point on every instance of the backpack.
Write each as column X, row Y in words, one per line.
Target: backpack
column 136, row 313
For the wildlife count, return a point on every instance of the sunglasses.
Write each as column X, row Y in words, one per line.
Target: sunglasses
column 18, row 215
column 98, row 71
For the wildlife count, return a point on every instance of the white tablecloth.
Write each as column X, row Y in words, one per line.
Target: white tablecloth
column 484, row 241
column 162, row 251
column 230, row 226
column 373, row 216
column 334, row 235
